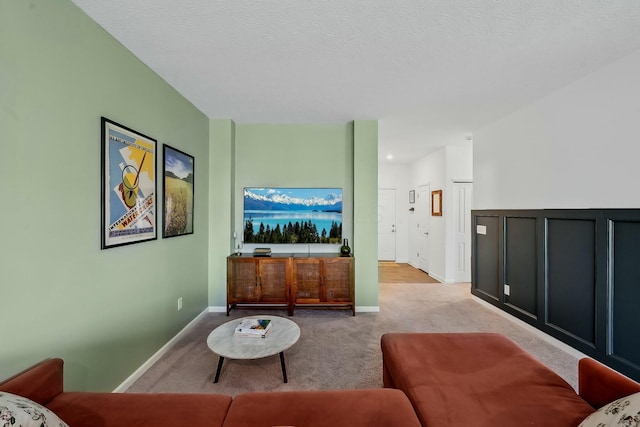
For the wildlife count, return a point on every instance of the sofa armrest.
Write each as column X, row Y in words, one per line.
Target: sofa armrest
column 40, row 383
column 599, row 384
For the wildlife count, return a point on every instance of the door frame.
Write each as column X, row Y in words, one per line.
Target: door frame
column 423, row 263
column 467, row 275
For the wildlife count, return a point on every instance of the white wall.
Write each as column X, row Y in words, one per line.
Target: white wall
column 439, row 170
column 575, row 148
column 394, row 176
column 429, row 170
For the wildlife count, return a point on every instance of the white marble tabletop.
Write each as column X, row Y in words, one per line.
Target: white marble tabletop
column 283, row 334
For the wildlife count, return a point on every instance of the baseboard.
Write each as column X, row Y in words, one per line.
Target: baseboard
column 537, row 332
column 359, row 309
column 367, row 309
column 158, row 354
column 434, row 276
column 438, row 278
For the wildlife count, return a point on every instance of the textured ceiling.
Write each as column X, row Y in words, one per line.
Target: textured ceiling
column 431, row 71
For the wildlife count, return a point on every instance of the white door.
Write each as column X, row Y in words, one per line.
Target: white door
column 423, row 215
column 462, row 208
column 387, row 224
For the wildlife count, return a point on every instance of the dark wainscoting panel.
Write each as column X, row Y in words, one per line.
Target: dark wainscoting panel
column 571, row 276
column 521, row 260
column 487, row 273
column 574, row 274
column 626, row 292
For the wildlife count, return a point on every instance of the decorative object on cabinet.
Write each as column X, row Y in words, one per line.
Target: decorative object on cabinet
column 297, row 281
column 436, row 203
column 345, row 250
column 177, row 187
column 128, row 186
column 262, row 252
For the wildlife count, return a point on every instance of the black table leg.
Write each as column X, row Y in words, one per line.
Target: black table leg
column 284, row 369
column 220, row 367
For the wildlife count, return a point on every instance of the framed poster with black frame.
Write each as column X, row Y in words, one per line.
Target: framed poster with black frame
column 177, row 187
column 128, row 181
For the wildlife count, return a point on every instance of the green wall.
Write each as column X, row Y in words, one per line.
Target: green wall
column 311, row 155
column 104, row 311
column 365, row 184
column 222, row 134
column 295, row 155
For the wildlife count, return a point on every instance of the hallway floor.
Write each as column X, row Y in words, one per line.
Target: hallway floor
column 393, row 272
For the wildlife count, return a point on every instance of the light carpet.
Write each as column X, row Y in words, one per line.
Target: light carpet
column 339, row 351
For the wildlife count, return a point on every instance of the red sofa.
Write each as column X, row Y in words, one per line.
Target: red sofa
column 480, row 379
column 43, row 384
column 448, row 380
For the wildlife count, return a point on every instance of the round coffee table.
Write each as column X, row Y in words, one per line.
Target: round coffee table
column 283, row 334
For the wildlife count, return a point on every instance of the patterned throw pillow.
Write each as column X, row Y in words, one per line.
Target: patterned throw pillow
column 622, row 412
column 20, row 411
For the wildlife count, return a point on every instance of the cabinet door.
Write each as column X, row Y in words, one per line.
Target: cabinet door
column 242, row 280
column 274, row 283
column 307, row 277
column 338, row 279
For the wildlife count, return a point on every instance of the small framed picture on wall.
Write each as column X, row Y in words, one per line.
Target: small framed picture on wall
column 436, row 203
column 177, row 206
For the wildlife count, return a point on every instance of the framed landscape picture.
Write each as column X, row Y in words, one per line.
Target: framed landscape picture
column 277, row 215
column 128, row 181
column 177, row 207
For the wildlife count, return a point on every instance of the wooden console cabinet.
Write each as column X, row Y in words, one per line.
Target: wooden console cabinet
column 323, row 282
column 291, row 281
column 258, row 281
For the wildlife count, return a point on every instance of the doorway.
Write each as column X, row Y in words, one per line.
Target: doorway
column 387, row 224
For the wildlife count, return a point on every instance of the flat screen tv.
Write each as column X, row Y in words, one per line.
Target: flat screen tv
column 292, row 215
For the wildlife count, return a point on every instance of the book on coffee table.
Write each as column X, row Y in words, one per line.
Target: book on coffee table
column 253, row 328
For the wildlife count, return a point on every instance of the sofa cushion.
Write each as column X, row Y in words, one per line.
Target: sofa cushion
column 478, row 379
column 20, row 411
column 140, row 410
column 620, row 412
column 329, row 408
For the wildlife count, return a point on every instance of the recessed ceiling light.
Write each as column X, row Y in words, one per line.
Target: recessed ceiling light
column 389, row 156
